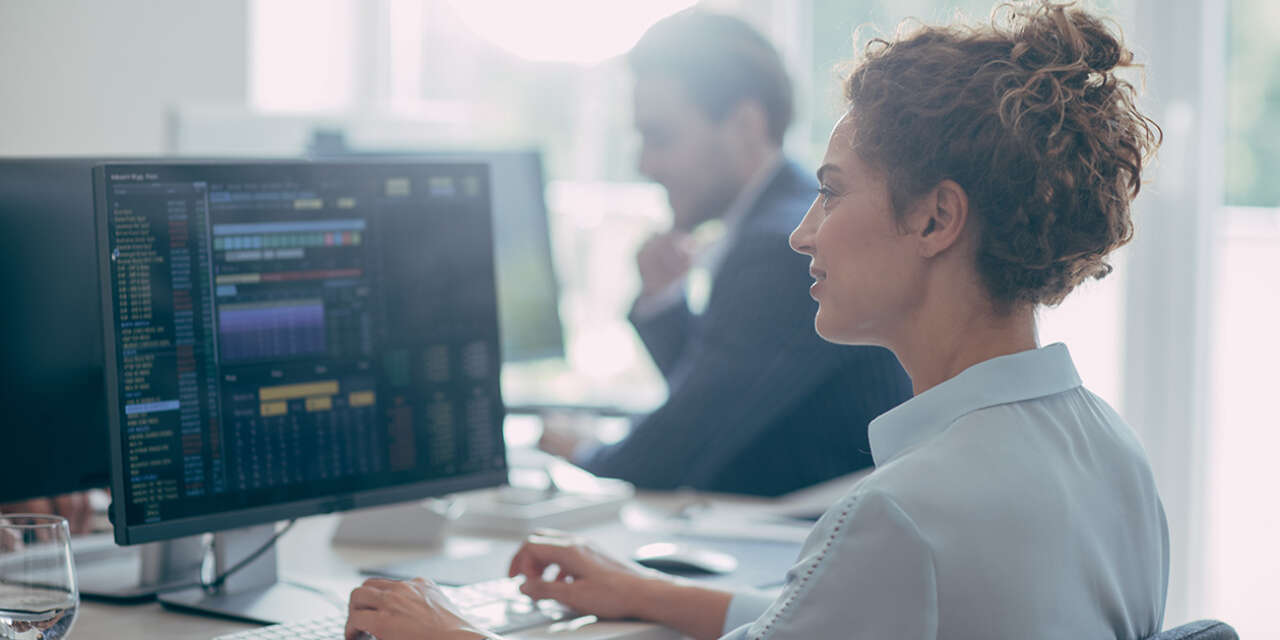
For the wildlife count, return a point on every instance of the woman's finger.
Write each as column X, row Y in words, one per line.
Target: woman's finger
column 516, row 566
column 554, row 552
column 553, row 590
column 530, row 561
column 365, row 598
column 381, row 584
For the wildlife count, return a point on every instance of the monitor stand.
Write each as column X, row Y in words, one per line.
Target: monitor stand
column 124, row 575
column 253, row 593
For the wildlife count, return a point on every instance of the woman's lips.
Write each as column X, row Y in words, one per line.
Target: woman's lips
column 818, row 277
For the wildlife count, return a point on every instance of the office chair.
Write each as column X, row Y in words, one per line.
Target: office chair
column 1199, row 630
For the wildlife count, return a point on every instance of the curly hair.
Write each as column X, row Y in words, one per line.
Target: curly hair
column 1028, row 115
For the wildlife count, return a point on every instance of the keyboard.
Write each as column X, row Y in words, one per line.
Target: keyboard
column 495, row 604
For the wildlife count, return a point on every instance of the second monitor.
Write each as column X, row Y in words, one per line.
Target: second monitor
column 528, row 289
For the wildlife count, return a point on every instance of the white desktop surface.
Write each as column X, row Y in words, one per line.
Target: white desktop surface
column 306, row 555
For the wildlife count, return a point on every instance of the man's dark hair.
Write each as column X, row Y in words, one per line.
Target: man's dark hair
column 719, row 60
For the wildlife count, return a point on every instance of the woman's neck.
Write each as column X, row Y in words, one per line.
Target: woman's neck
column 942, row 343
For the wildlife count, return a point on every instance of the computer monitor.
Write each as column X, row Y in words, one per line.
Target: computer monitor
column 51, row 350
column 292, row 338
column 528, row 289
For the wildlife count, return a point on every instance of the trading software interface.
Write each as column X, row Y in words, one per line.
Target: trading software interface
column 286, row 332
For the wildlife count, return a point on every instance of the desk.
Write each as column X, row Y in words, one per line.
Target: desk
column 306, row 555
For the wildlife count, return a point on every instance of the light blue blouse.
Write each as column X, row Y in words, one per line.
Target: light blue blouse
column 1007, row 502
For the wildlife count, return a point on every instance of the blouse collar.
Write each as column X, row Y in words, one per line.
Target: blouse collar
column 1013, row 378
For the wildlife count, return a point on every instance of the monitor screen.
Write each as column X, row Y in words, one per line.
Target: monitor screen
column 51, row 350
column 286, row 339
column 528, row 289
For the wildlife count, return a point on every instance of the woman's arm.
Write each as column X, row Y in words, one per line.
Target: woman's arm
column 697, row 612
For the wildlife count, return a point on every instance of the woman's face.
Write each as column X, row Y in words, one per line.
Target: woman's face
column 866, row 270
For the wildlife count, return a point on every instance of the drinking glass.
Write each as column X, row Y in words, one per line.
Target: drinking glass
column 38, row 593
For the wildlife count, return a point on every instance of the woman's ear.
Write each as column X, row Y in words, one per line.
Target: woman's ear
column 942, row 215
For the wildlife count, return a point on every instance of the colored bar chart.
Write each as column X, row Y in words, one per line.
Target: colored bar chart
column 271, row 330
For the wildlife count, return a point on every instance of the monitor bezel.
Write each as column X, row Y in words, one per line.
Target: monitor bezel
column 127, row 533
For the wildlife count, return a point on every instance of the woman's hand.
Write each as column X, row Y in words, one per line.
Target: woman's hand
column 396, row 610
column 587, row 580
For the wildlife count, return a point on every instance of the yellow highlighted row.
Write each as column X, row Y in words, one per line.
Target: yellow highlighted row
column 276, row 403
column 302, row 390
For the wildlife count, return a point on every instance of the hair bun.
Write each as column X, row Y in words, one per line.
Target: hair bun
column 1064, row 37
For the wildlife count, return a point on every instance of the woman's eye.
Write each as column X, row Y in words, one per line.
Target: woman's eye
column 827, row 195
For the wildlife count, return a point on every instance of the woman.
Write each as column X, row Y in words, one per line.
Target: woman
column 979, row 172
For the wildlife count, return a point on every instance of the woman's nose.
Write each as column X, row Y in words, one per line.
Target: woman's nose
column 801, row 239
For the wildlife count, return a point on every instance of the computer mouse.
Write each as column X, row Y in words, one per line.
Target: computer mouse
column 680, row 558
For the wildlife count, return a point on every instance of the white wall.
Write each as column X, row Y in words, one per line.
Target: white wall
column 94, row 77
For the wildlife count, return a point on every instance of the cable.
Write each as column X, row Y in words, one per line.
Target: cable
column 217, row 581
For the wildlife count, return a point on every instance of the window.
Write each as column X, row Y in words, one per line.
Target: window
column 1245, row 346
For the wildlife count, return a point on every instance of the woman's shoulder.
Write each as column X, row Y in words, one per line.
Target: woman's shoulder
column 1038, row 460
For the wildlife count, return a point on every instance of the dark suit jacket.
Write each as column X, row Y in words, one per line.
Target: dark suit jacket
column 758, row 403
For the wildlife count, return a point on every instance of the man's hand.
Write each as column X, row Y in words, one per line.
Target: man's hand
column 559, row 441
column 663, row 259
column 396, row 610
column 72, row 506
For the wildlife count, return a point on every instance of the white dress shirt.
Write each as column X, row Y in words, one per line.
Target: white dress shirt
column 1006, row 502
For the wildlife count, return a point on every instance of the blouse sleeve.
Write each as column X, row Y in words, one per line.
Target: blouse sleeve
column 871, row 575
column 744, row 608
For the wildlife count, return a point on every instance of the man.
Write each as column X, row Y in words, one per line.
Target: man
column 758, row 403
